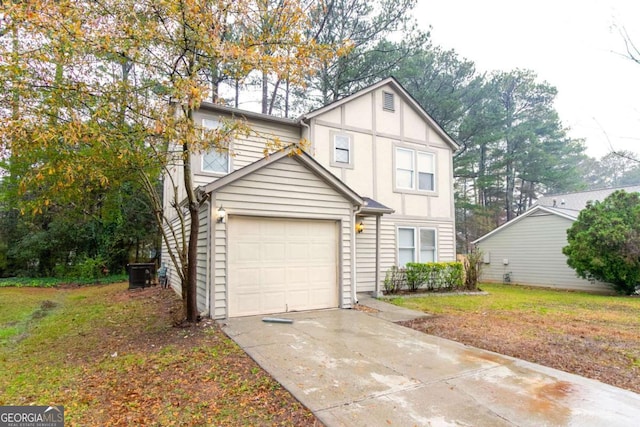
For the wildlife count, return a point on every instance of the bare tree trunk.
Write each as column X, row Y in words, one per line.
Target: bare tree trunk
column 236, row 101
column 286, row 98
column 273, row 97
column 15, row 99
column 265, row 92
column 189, row 283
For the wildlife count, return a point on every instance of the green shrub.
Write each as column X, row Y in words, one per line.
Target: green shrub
column 394, row 280
column 417, row 275
column 454, row 275
column 434, row 276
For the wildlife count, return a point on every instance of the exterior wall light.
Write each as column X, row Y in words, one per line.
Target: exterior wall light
column 221, row 215
column 360, row 227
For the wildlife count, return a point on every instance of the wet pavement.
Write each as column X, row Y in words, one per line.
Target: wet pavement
column 353, row 368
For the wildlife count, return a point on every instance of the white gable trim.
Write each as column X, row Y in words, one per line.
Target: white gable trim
column 304, row 159
column 393, row 83
column 521, row 217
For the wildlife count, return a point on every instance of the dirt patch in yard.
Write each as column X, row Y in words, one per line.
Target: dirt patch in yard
column 584, row 347
column 190, row 369
column 121, row 361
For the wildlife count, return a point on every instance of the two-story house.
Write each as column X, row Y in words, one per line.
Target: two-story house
column 283, row 233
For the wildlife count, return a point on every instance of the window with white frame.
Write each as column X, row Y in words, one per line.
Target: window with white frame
column 342, row 150
column 415, row 170
column 214, row 161
column 416, row 244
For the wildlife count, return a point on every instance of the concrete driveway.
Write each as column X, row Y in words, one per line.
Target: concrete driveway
column 357, row 369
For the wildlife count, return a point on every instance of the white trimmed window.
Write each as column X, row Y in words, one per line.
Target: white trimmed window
column 416, row 244
column 214, row 161
column 415, row 170
column 342, row 150
column 426, row 172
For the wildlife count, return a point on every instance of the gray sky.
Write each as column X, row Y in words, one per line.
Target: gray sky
column 574, row 45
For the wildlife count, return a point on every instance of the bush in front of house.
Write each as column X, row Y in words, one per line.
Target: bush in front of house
column 603, row 243
column 395, row 280
column 472, row 269
column 430, row 277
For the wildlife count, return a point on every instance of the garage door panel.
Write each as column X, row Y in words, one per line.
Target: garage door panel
column 244, row 252
column 285, row 265
column 271, row 302
column 298, row 251
column 250, row 277
column 272, row 252
column 273, row 278
column 273, row 229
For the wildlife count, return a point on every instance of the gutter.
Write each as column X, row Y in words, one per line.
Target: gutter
column 354, row 281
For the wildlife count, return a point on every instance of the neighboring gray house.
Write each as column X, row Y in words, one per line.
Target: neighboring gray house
column 528, row 249
column 308, row 231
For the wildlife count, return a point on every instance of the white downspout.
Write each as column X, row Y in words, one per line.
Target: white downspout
column 354, row 296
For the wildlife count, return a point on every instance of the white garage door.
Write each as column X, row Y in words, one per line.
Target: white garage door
column 278, row 265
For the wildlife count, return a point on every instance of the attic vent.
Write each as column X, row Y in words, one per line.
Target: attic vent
column 388, row 101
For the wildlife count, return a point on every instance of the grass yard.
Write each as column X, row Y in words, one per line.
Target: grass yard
column 590, row 335
column 112, row 357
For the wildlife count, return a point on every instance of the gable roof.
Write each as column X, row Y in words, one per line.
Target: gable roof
column 303, row 158
column 577, row 201
column 563, row 213
column 298, row 122
column 566, row 205
column 246, row 114
column 406, row 96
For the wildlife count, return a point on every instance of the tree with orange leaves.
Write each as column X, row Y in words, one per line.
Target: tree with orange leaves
column 96, row 91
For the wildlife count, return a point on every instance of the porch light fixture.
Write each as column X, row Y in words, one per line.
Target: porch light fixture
column 221, row 215
column 360, row 227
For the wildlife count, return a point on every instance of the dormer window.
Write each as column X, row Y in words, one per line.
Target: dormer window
column 388, row 101
column 342, row 156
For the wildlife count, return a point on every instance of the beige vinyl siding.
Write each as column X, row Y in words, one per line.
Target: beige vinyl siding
column 246, row 149
column 366, row 255
column 219, row 270
column 533, row 248
column 172, row 276
column 284, row 189
column 446, row 241
column 203, row 259
column 365, row 246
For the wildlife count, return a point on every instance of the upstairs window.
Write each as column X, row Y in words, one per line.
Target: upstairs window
column 214, row 161
column 426, row 174
column 388, row 101
column 404, row 168
column 415, row 170
column 342, row 150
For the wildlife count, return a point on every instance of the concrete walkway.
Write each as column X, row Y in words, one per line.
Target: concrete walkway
column 359, row 369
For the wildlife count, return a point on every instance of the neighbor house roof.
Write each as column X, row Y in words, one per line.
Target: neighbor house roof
column 390, row 81
column 566, row 205
column 536, row 209
column 577, row 201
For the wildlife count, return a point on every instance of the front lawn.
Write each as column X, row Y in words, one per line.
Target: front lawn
column 112, row 357
column 590, row 335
